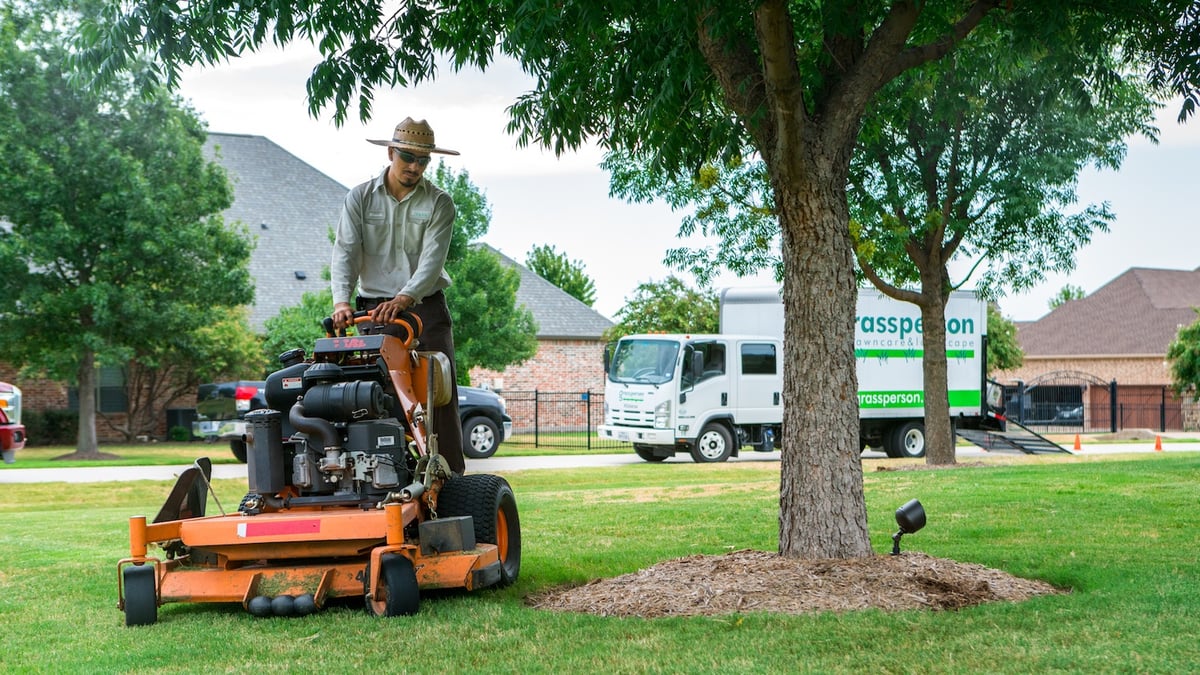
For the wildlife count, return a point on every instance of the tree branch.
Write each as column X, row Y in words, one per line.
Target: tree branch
column 736, row 69
column 920, row 54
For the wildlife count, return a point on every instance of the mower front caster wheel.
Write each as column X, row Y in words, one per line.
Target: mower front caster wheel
column 400, row 595
column 141, row 600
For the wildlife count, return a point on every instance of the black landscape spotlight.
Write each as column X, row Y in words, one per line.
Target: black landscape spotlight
column 910, row 518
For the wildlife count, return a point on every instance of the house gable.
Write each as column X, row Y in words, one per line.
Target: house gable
column 1138, row 313
column 289, row 208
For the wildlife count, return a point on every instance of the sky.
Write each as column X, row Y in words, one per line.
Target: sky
column 537, row 198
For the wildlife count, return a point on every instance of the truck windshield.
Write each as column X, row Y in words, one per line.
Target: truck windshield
column 645, row 361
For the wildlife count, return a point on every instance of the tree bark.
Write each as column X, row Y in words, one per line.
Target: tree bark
column 939, row 436
column 86, row 444
column 822, row 507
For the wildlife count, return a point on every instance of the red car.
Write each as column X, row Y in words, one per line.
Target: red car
column 12, row 438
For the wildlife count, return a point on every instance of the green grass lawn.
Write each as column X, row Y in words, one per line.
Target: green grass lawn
column 1118, row 531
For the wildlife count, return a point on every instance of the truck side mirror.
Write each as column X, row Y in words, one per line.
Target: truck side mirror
column 697, row 366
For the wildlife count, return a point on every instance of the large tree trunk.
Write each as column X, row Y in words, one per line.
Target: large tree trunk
column 86, row 445
column 822, row 507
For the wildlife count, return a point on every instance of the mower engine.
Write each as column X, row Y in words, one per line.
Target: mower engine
column 345, row 444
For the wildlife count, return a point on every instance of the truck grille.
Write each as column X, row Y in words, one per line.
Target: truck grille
column 633, row 418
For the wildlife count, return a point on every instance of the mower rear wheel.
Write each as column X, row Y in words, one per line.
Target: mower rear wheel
column 490, row 502
column 141, row 600
column 400, row 595
column 238, row 447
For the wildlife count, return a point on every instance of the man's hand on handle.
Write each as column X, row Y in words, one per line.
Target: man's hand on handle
column 385, row 312
column 343, row 315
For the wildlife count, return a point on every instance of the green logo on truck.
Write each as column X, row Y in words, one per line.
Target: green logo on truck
column 884, row 400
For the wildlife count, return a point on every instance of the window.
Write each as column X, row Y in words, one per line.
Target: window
column 713, row 359
column 110, row 391
column 759, row 359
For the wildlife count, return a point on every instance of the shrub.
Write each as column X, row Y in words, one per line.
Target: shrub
column 50, row 427
column 179, row 434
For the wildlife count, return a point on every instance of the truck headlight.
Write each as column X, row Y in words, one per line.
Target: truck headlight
column 662, row 415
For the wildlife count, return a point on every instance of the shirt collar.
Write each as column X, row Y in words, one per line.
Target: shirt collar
column 380, row 183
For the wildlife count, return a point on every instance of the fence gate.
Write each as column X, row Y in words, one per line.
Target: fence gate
column 558, row 419
column 1062, row 401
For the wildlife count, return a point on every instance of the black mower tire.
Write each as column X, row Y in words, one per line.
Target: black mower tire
column 238, row 447
column 490, row 502
column 401, row 595
column 714, row 444
column 141, row 599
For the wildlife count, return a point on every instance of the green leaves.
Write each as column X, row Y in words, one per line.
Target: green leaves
column 669, row 306
column 1183, row 357
column 114, row 250
column 563, row 272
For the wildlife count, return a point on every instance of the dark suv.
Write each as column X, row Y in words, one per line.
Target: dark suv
column 221, row 408
column 485, row 421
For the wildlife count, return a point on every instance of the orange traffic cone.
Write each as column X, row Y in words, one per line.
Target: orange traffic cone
column 1077, row 447
column 1158, row 443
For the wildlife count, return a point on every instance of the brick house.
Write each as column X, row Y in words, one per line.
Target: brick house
column 566, row 375
column 290, row 209
column 1112, row 342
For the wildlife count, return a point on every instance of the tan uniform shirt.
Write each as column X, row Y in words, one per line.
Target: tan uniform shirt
column 384, row 247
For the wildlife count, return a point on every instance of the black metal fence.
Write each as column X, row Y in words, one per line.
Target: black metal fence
column 558, row 419
column 1065, row 407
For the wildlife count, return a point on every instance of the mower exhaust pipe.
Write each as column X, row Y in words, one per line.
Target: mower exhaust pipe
column 316, row 427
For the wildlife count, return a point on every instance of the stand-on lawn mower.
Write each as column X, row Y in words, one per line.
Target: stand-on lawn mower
column 348, row 497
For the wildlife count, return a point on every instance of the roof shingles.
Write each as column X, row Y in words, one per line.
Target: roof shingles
column 1138, row 313
column 289, row 208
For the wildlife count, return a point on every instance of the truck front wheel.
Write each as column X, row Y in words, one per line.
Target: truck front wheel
column 714, row 444
column 909, row 440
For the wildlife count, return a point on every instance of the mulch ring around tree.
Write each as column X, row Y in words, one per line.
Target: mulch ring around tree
column 758, row 581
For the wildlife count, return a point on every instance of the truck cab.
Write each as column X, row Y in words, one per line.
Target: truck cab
column 708, row 395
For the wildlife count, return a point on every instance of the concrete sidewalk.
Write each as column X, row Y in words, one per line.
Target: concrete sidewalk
column 500, row 464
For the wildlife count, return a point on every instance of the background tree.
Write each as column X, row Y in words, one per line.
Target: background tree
column 1183, row 357
column 1003, row 350
column 563, row 272
column 1066, row 294
column 675, row 85
column 114, row 245
column 490, row 329
column 170, row 368
column 297, row 326
column 976, row 157
column 668, row 306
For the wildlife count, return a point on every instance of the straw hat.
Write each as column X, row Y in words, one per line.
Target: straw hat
column 414, row 135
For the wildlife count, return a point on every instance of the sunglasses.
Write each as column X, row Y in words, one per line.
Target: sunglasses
column 409, row 158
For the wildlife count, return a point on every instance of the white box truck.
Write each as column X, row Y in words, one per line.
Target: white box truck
column 710, row 395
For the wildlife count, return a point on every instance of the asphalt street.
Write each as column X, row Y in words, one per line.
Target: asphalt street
column 12, row 473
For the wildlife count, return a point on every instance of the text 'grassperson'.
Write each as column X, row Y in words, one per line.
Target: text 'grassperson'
column 903, row 326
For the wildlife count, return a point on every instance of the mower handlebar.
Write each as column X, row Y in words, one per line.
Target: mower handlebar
column 411, row 323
